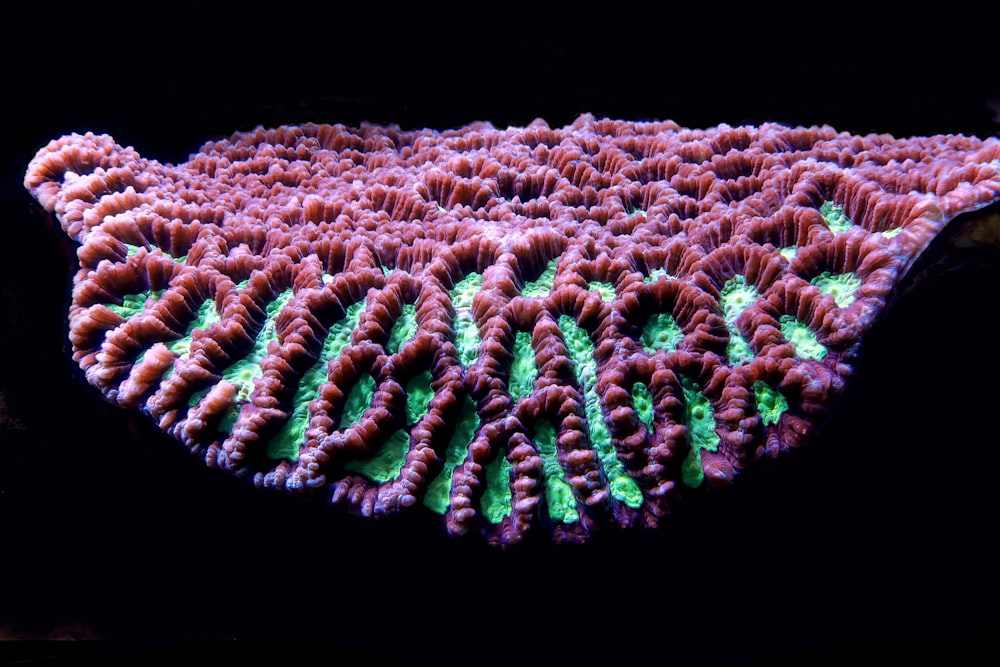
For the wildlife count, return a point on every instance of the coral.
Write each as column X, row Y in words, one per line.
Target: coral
column 527, row 331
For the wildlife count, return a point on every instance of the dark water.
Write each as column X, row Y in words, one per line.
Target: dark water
column 874, row 543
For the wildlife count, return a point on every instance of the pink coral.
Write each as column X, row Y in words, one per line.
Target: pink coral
column 675, row 304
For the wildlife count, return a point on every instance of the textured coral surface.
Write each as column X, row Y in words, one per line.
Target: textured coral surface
column 530, row 329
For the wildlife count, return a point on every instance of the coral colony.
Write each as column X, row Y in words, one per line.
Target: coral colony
column 530, row 330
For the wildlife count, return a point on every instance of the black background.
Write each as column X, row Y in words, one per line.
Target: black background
column 877, row 542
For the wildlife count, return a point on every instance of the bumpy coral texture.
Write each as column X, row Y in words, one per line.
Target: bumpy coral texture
column 528, row 331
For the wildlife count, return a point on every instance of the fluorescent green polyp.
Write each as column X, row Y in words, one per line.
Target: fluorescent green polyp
column 840, row 285
column 285, row 443
column 133, row 304
column 131, row 250
column 465, row 290
column 358, row 400
column 606, row 290
column 558, row 494
column 418, row 396
column 661, row 333
column 734, row 298
column 656, row 274
column 623, row 488
column 802, row 339
column 692, row 474
column 467, row 338
column 738, row 349
column 339, row 335
column 770, row 403
column 522, row 371
column 889, row 233
column 788, row 252
column 642, row 400
column 700, row 420
column 834, row 217
column 496, row 501
column 437, row 496
column 403, row 329
column 543, row 284
column 387, row 462
column 243, row 372
column 581, row 350
column 206, row 317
